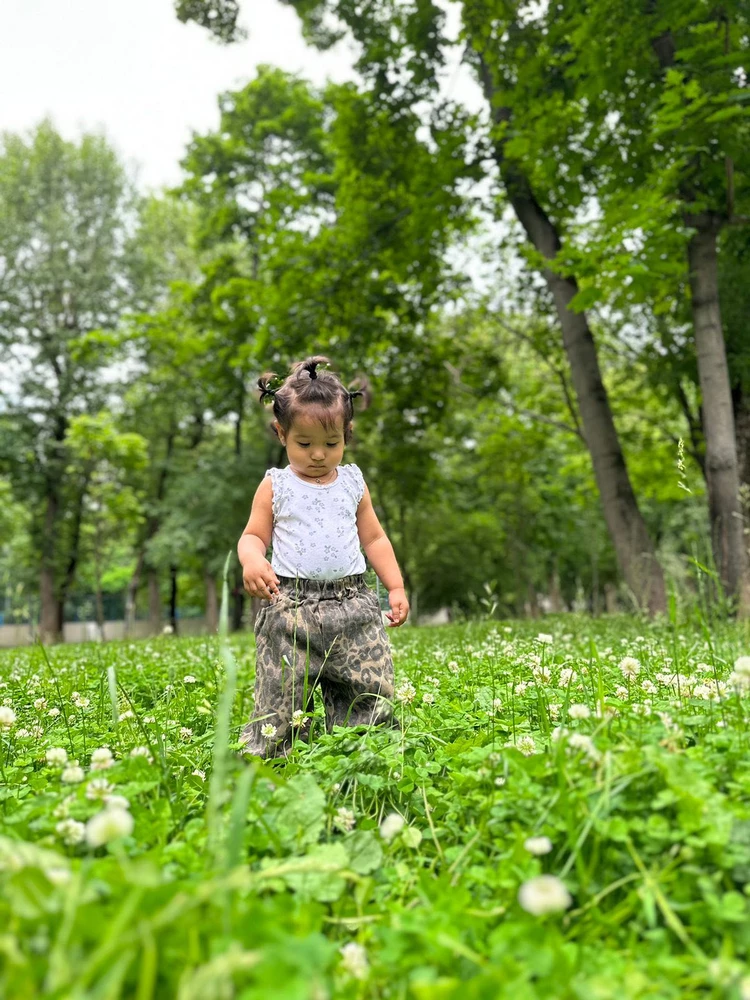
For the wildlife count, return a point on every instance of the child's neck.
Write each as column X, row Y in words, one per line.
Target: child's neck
column 329, row 477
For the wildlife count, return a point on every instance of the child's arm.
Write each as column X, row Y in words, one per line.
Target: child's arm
column 257, row 575
column 378, row 549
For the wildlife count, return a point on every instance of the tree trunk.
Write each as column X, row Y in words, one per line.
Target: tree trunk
column 132, row 593
column 98, row 574
column 725, row 511
column 75, row 544
column 50, row 619
column 154, row 603
column 173, row 598
column 238, row 604
column 212, row 603
column 741, row 402
column 555, row 597
column 633, row 547
column 533, row 603
column 151, row 527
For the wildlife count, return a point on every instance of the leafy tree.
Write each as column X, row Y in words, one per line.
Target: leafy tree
column 65, row 221
column 402, row 53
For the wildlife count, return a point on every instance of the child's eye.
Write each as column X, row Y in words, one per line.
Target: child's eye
column 332, row 444
column 305, row 445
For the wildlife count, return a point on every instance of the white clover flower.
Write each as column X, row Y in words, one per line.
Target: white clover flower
column 98, row 788
column 101, row 759
column 189, row 679
column 559, row 733
column 520, row 688
column 538, row 845
column 405, row 692
column 354, row 960
column 140, row 752
column 127, row 714
column 199, row 774
column 391, row 826
column 497, row 704
column 500, row 781
column 167, row 630
column 149, row 719
column 116, row 802
column 435, row 681
column 7, row 717
column 742, row 665
column 57, row 756
column 702, row 691
column 40, row 704
column 554, row 711
column 344, row 819
column 526, row 745
column 579, row 712
column 53, row 713
column 186, row 734
column 108, row 825
column 544, row 638
column 268, row 731
column 298, row 717
column 71, row 831
column 630, row 667
column 739, row 681
column 648, row 687
column 21, row 734
column 82, row 703
column 579, row 741
column 544, row 894
column 454, row 667
column 428, row 698
column 73, row 774
column 543, row 674
column 568, row 676
column 58, row 876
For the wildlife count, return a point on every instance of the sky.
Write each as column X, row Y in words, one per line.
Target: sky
column 131, row 69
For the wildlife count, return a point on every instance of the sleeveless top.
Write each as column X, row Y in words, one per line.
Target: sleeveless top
column 315, row 527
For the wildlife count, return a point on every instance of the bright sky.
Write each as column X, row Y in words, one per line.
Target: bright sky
column 129, row 68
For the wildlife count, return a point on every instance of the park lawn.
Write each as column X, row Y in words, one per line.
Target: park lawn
column 402, row 862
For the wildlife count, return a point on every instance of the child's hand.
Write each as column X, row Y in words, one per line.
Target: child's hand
column 259, row 579
column 399, row 607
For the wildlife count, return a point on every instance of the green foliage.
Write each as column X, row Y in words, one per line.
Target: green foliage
column 642, row 793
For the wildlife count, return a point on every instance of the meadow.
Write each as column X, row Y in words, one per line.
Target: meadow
column 563, row 811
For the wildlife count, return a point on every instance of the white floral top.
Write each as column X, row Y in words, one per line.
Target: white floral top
column 315, row 527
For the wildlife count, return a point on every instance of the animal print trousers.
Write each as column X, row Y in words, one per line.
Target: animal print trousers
column 318, row 632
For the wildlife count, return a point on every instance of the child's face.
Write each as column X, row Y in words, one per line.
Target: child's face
column 313, row 451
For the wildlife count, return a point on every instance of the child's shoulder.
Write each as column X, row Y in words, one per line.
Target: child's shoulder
column 354, row 479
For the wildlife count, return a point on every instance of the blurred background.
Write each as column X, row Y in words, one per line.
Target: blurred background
column 527, row 227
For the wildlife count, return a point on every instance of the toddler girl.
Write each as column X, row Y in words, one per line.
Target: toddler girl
column 322, row 624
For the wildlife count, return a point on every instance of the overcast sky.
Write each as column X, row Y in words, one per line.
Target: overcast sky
column 130, row 68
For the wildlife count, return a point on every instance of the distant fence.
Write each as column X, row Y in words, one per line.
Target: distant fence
column 25, row 634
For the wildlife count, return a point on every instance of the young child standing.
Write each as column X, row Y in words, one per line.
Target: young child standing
column 322, row 623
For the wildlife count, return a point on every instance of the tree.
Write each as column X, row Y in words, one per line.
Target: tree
column 402, row 52
column 65, row 220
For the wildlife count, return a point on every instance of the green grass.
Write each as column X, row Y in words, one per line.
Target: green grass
column 248, row 880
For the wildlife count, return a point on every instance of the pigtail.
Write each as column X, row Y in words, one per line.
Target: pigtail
column 269, row 383
column 360, row 388
column 310, row 365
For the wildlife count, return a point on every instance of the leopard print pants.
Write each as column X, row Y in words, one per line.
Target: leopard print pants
column 326, row 632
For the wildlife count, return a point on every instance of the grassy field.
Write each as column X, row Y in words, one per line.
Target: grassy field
column 564, row 814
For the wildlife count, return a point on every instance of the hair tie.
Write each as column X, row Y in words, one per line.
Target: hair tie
column 357, row 392
column 313, row 373
column 267, row 392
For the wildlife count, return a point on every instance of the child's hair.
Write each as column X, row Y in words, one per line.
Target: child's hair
column 307, row 388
